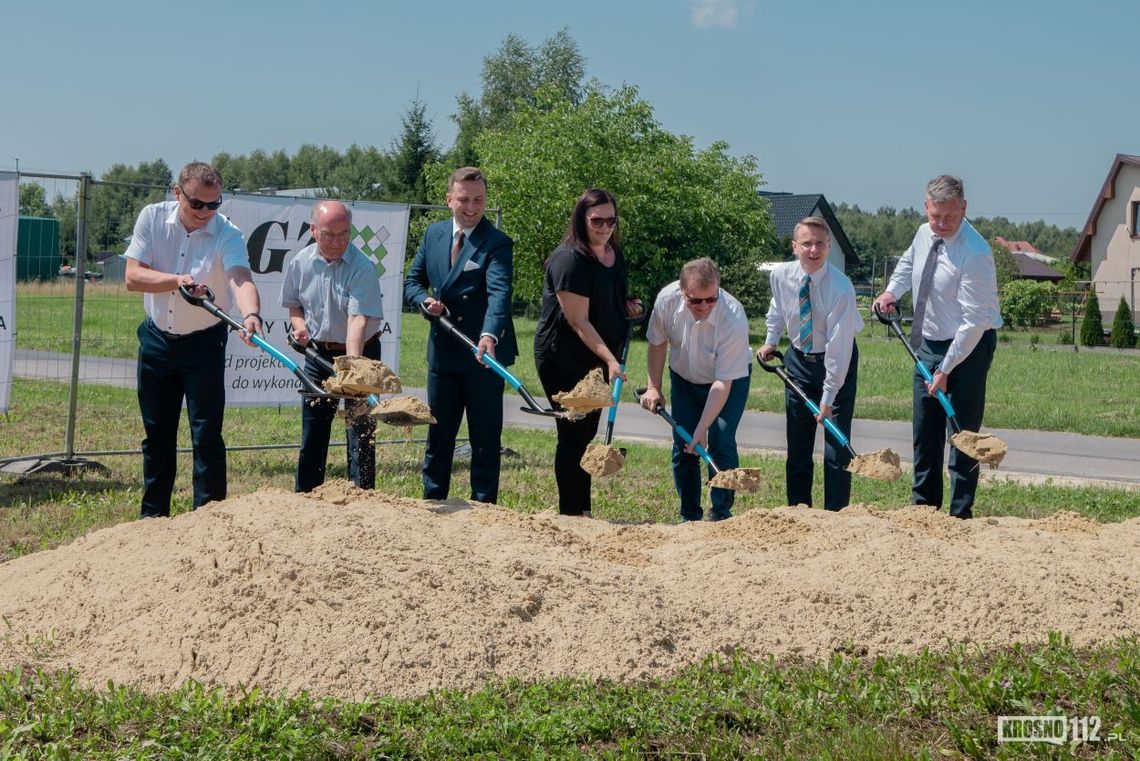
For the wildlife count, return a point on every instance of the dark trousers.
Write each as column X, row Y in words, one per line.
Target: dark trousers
column 316, row 427
column 687, row 400
column 808, row 372
column 574, row 436
column 190, row 367
column 966, row 388
column 478, row 392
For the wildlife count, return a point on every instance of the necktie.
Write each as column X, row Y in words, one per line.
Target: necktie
column 457, row 248
column 805, row 316
column 924, row 293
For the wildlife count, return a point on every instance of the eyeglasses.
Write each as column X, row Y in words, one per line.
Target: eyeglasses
column 325, row 234
column 196, row 205
column 599, row 222
column 813, row 243
column 694, row 301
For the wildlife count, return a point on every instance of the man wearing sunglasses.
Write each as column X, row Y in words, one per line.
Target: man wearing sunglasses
column 710, row 368
column 182, row 348
column 815, row 302
column 333, row 296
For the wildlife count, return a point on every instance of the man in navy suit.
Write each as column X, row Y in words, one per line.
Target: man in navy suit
column 468, row 266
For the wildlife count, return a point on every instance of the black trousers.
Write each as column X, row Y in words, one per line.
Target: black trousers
column 478, row 392
column 574, row 436
column 316, row 428
column 808, row 373
column 967, row 391
column 190, row 367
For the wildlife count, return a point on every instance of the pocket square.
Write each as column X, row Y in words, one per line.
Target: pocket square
column 470, row 265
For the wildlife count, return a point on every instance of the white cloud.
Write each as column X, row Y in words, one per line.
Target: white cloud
column 715, row 13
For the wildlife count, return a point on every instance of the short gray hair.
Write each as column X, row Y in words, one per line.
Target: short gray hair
column 945, row 187
column 701, row 272
column 319, row 205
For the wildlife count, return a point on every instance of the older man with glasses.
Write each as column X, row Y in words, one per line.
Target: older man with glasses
column 815, row 302
column 182, row 348
column 710, row 368
column 333, row 296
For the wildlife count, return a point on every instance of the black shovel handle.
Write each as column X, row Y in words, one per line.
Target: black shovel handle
column 782, row 374
column 685, row 435
column 893, row 322
column 310, row 352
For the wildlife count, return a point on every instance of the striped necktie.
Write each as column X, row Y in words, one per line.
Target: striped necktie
column 923, row 295
column 457, row 247
column 805, row 316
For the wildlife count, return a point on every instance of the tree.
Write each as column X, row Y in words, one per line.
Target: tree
column 415, row 149
column 118, row 197
column 1092, row 327
column 33, row 200
column 1123, row 330
column 1005, row 264
column 675, row 203
column 1025, row 302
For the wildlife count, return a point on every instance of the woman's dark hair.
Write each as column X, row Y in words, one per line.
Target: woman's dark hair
column 576, row 236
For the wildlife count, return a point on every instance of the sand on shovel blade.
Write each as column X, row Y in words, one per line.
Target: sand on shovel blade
column 602, row 460
column 983, row 447
column 737, row 479
column 881, row 465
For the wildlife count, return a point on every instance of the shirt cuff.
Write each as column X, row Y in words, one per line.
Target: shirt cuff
column 491, row 336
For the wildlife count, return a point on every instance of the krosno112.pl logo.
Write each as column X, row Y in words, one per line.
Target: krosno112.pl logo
column 1057, row 730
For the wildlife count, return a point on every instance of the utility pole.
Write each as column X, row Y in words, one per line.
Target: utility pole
column 17, row 160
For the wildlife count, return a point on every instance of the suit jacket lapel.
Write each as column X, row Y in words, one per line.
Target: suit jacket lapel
column 470, row 246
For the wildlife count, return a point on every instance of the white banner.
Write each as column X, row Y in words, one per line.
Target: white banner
column 9, row 225
column 276, row 228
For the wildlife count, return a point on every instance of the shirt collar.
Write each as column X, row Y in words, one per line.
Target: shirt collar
column 211, row 227
column 455, row 228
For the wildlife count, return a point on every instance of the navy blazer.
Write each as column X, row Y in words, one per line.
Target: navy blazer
column 478, row 291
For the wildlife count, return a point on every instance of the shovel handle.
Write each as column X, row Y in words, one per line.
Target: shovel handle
column 685, row 436
column 828, row 424
column 892, row 319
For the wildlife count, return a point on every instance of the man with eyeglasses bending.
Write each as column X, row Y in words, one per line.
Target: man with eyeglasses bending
column 815, row 302
column 710, row 369
column 333, row 296
column 182, row 347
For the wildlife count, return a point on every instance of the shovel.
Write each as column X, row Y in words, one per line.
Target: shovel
column 207, row 303
column 321, row 362
column 610, row 459
column 533, row 406
column 736, row 479
column 982, row 447
column 860, row 464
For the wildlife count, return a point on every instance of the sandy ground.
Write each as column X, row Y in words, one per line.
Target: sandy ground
column 381, row 595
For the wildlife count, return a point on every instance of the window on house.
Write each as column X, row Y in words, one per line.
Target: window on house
column 1135, row 226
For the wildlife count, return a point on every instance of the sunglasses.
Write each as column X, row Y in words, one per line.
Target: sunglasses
column 706, row 300
column 197, row 205
column 599, row 222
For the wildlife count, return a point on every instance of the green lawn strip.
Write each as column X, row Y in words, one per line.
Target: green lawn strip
column 928, row 704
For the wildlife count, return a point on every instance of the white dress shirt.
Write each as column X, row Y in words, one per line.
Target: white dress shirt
column 701, row 351
column 161, row 242
column 963, row 297
column 835, row 318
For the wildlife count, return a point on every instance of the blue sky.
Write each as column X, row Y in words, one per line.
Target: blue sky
column 863, row 101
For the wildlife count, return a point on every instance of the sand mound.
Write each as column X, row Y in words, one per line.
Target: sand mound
column 601, row 460
column 881, row 465
column 983, row 447
column 393, row 596
column 361, row 376
column 589, row 394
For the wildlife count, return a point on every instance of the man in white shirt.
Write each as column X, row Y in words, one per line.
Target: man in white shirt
column 333, row 296
column 710, row 365
column 182, row 347
column 956, row 316
column 815, row 302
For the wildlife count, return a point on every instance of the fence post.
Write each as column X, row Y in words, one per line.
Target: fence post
column 77, row 324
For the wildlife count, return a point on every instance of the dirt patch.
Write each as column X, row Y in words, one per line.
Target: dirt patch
column 983, row 447
column 360, row 376
column 601, row 460
column 1065, row 522
column 589, row 394
column 881, row 465
column 402, row 411
column 737, row 479
column 347, row 593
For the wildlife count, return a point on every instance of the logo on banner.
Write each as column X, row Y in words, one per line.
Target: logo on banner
column 263, row 260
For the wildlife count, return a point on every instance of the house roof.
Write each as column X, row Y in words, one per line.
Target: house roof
column 1031, row 269
column 1082, row 251
column 1017, row 246
column 789, row 208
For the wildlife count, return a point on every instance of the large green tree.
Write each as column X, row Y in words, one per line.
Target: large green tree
column 415, row 149
column 33, row 200
column 676, row 202
column 118, row 197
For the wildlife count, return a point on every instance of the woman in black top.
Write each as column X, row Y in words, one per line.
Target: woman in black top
column 585, row 304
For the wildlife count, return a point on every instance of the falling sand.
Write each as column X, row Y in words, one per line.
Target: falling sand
column 348, row 593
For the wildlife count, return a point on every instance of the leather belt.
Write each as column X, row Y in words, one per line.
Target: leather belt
column 817, row 357
column 332, row 346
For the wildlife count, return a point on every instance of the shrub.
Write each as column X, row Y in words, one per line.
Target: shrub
column 1122, row 327
column 1024, row 303
column 1065, row 337
column 1092, row 327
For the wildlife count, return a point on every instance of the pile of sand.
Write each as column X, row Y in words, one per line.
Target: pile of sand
column 589, row 394
column 360, row 376
column 395, row 596
column 983, row 447
column 601, row 460
column 881, row 465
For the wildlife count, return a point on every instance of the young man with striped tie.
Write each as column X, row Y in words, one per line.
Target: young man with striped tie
column 815, row 302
